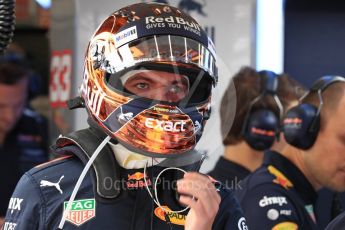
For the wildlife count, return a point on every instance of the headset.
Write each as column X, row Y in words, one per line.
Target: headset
column 301, row 123
column 262, row 127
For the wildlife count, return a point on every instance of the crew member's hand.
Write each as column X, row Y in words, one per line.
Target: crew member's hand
column 204, row 206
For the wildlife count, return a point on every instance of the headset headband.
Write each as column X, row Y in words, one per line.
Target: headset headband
column 270, row 81
column 318, row 87
column 324, row 82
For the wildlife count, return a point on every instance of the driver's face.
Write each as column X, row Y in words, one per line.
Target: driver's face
column 158, row 85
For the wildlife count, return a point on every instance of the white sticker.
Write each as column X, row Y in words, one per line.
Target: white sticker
column 272, row 214
column 126, row 36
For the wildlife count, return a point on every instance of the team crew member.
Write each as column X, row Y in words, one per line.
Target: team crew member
column 282, row 193
column 261, row 97
column 22, row 131
column 147, row 92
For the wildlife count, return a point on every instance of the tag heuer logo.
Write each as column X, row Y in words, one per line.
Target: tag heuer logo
column 81, row 211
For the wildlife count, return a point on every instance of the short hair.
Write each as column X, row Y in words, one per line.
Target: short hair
column 12, row 69
column 331, row 98
column 247, row 85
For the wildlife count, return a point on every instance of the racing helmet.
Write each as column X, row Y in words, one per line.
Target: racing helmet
column 149, row 72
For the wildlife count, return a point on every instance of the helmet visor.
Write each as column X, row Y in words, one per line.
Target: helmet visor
column 165, row 68
column 164, row 83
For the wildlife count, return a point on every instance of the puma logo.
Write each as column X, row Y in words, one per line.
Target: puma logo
column 45, row 183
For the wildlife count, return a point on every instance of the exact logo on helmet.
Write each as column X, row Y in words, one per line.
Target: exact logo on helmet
column 165, row 125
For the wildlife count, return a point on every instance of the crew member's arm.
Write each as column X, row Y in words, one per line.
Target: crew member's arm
column 26, row 208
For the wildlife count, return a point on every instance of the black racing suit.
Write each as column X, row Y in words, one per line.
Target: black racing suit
column 42, row 194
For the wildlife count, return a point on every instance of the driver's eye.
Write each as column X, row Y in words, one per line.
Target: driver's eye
column 142, row 85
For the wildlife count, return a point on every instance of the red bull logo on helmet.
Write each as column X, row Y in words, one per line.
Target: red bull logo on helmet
column 171, row 19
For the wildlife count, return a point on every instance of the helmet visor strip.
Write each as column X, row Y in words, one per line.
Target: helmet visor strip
column 163, row 48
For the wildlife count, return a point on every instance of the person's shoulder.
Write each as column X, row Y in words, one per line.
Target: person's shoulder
column 55, row 164
column 40, row 190
column 62, row 165
column 59, row 173
column 266, row 199
column 263, row 182
column 260, row 177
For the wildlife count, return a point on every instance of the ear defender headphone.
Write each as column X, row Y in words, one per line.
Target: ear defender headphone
column 262, row 127
column 302, row 123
